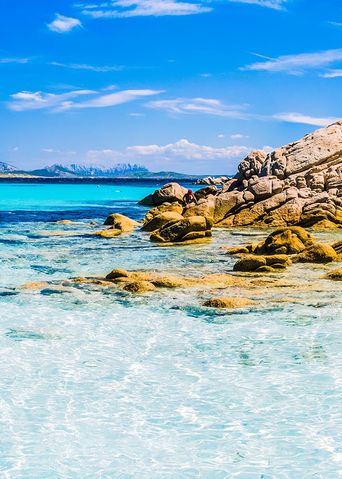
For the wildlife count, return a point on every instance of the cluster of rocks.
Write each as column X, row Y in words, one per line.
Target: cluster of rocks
column 298, row 184
column 282, row 248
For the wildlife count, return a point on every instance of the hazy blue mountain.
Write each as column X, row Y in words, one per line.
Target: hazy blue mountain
column 121, row 170
column 124, row 170
column 54, row 171
column 6, row 168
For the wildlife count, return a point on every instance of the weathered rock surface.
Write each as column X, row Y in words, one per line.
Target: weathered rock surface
column 317, row 253
column 210, row 180
column 288, row 240
column 170, row 193
column 187, row 229
column 157, row 210
column 299, row 184
column 338, row 247
column 158, row 221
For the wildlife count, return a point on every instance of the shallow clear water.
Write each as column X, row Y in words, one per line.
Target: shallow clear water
column 101, row 384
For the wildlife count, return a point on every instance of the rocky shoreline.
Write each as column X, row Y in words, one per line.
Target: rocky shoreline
column 300, row 184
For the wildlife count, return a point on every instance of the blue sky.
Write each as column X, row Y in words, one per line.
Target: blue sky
column 188, row 86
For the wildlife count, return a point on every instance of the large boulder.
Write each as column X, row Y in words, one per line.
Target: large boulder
column 187, row 229
column 262, row 264
column 157, row 222
column 121, row 222
column 165, row 207
column 204, row 207
column 169, row 193
column 317, row 253
column 288, row 240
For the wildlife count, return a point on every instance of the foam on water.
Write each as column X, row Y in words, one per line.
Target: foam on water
column 102, row 384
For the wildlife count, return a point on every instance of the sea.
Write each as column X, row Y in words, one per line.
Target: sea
column 102, row 384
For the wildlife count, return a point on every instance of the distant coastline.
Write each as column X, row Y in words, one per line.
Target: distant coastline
column 89, row 180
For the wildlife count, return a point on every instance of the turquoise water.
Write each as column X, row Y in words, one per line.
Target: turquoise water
column 95, row 383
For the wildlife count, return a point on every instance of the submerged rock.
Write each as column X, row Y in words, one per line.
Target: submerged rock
column 139, row 287
column 228, row 303
column 110, row 233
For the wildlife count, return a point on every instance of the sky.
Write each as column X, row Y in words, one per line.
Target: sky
column 189, row 86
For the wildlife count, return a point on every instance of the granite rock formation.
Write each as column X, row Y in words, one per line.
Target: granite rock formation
column 298, row 184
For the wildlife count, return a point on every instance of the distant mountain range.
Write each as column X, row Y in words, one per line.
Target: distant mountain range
column 121, row 170
column 6, row 168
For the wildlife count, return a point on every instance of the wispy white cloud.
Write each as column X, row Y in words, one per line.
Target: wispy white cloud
column 298, row 64
column 332, row 74
column 274, row 4
column 336, row 24
column 62, row 24
column 14, row 60
column 26, row 100
column 238, row 136
column 111, row 99
column 305, row 119
column 142, row 8
column 72, row 100
column 208, row 106
column 85, row 66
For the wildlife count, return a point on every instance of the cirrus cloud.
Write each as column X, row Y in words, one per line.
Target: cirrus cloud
column 297, row 64
column 207, row 106
column 305, row 119
column 142, row 8
column 75, row 99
